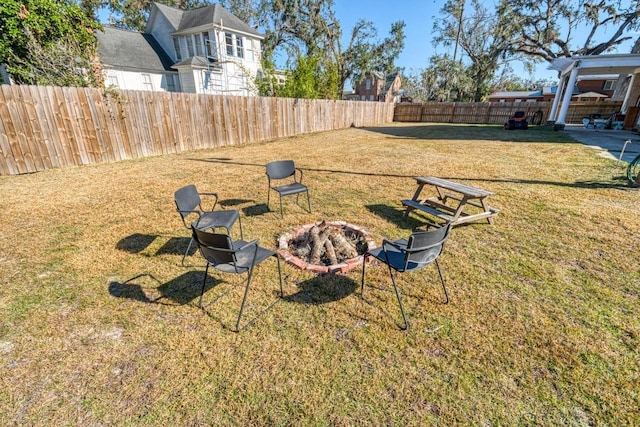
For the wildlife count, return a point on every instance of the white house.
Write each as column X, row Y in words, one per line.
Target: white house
column 208, row 50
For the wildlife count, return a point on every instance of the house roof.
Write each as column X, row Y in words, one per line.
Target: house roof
column 516, row 94
column 210, row 15
column 173, row 15
column 131, row 49
column 590, row 95
column 597, row 64
column 389, row 79
column 194, row 61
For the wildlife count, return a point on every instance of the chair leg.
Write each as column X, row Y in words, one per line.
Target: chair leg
column 364, row 264
column 444, row 288
column 281, row 214
column 244, row 299
column 279, row 275
column 187, row 252
column 239, row 223
column 204, row 282
column 309, row 201
column 395, row 288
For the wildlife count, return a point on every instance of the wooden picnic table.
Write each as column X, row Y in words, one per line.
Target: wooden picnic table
column 451, row 208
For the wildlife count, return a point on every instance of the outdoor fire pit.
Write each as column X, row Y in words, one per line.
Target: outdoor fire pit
column 325, row 247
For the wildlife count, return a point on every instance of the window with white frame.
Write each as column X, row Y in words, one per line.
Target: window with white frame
column 228, row 39
column 367, row 84
column 146, row 82
column 189, row 40
column 239, row 47
column 372, row 97
column 176, row 45
column 209, row 48
column 112, row 81
column 608, row 85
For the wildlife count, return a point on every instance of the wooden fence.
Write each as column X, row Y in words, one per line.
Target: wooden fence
column 467, row 112
column 496, row 112
column 45, row 127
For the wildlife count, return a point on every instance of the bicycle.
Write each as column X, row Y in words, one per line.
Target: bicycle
column 633, row 171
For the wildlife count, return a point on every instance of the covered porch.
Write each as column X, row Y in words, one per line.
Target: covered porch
column 570, row 68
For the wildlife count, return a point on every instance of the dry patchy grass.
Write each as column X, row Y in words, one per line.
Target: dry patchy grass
column 99, row 323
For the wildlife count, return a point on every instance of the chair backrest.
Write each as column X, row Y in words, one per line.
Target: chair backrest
column 281, row 169
column 187, row 199
column 518, row 115
column 423, row 247
column 216, row 248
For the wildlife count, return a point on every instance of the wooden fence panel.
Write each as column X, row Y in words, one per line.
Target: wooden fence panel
column 46, row 127
column 466, row 112
column 496, row 112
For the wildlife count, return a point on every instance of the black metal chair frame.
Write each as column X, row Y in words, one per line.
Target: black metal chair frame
column 408, row 262
column 283, row 169
column 206, row 219
column 232, row 257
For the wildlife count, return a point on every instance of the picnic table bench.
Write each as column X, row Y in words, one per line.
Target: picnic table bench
column 448, row 207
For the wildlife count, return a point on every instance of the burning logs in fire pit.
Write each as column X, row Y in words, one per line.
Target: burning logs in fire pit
column 325, row 247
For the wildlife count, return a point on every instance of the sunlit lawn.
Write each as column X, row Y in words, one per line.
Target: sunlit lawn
column 100, row 324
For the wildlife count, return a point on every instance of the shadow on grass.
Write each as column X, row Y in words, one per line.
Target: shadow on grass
column 136, row 242
column 427, row 131
column 256, row 210
column 347, row 172
column 235, row 202
column 323, row 289
column 179, row 291
column 395, row 216
column 177, row 246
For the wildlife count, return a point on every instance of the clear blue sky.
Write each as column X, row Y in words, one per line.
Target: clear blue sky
column 419, row 16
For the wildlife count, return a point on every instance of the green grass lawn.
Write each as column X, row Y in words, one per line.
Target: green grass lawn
column 99, row 323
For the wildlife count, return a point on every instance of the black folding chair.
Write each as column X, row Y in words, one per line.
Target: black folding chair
column 281, row 170
column 232, row 257
column 421, row 249
column 189, row 205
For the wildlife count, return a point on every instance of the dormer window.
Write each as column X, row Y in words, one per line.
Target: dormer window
column 608, row 85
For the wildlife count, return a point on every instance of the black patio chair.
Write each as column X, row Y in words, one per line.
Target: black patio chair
column 281, row 170
column 421, row 249
column 189, row 205
column 232, row 257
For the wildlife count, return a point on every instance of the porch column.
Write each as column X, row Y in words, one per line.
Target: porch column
column 625, row 103
column 556, row 101
column 567, row 99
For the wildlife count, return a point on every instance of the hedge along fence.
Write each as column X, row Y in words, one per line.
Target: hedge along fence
column 44, row 127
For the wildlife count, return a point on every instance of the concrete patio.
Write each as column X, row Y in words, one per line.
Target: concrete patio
column 609, row 142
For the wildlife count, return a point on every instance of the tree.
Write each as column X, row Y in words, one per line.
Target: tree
column 133, row 14
column 507, row 80
column 481, row 35
column 545, row 29
column 48, row 42
column 311, row 29
column 444, row 80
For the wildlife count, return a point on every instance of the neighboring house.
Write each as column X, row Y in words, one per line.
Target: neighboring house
column 135, row 61
column 546, row 94
column 377, row 87
column 604, row 85
column 208, row 49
